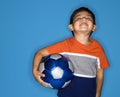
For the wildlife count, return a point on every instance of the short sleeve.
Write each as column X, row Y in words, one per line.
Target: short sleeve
column 103, row 59
column 58, row 47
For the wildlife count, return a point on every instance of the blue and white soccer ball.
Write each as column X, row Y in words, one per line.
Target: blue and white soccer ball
column 58, row 71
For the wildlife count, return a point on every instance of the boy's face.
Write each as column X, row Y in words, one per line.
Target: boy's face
column 82, row 22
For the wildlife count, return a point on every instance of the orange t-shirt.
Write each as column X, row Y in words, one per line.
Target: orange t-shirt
column 85, row 58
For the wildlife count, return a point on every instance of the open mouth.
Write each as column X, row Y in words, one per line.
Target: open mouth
column 83, row 24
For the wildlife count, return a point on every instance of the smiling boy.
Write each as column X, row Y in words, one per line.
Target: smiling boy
column 86, row 54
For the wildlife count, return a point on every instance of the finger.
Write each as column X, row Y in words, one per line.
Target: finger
column 38, row 76
column 45, row 84
column 41, row 81
column 41, row 74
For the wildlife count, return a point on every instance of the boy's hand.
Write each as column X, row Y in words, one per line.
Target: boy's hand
column 38, row 76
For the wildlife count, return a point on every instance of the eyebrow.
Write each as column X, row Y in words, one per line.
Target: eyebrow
column 80, row 15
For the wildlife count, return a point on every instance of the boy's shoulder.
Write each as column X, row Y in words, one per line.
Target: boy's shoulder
column 97, row 43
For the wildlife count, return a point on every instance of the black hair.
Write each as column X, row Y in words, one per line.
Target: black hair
column 80, row 10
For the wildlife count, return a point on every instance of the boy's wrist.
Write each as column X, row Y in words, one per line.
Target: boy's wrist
column 97, row 94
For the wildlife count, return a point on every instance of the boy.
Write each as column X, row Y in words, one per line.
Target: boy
column 85, row 53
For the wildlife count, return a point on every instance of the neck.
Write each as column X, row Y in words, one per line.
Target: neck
column 84, row 39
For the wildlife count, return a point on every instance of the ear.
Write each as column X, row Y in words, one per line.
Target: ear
column 70, row 27
column 94, row 28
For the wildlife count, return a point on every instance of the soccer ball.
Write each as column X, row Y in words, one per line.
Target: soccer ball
column 58, row 71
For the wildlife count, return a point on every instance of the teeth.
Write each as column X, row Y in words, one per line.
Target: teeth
column 83, row 24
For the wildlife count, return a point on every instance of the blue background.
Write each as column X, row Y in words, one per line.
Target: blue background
column 29, row 25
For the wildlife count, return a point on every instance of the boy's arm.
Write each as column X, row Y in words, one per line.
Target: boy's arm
column 37, row 59
column 99, row 81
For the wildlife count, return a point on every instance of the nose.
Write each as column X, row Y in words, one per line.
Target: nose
column 84, row 18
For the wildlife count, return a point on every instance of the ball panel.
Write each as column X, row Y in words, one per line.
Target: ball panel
column 57, row 83
column 57, row 73
column 47, row 77
column 50, row 64
column 71, row 66
column 63, row 63
column 55, row 56
column 41, row 67
column 68, row 74
column 66, row 84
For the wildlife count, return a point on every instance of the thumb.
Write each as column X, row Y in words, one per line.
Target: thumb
column 42, row 75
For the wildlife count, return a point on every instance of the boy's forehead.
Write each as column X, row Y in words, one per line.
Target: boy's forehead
column 85, row 13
